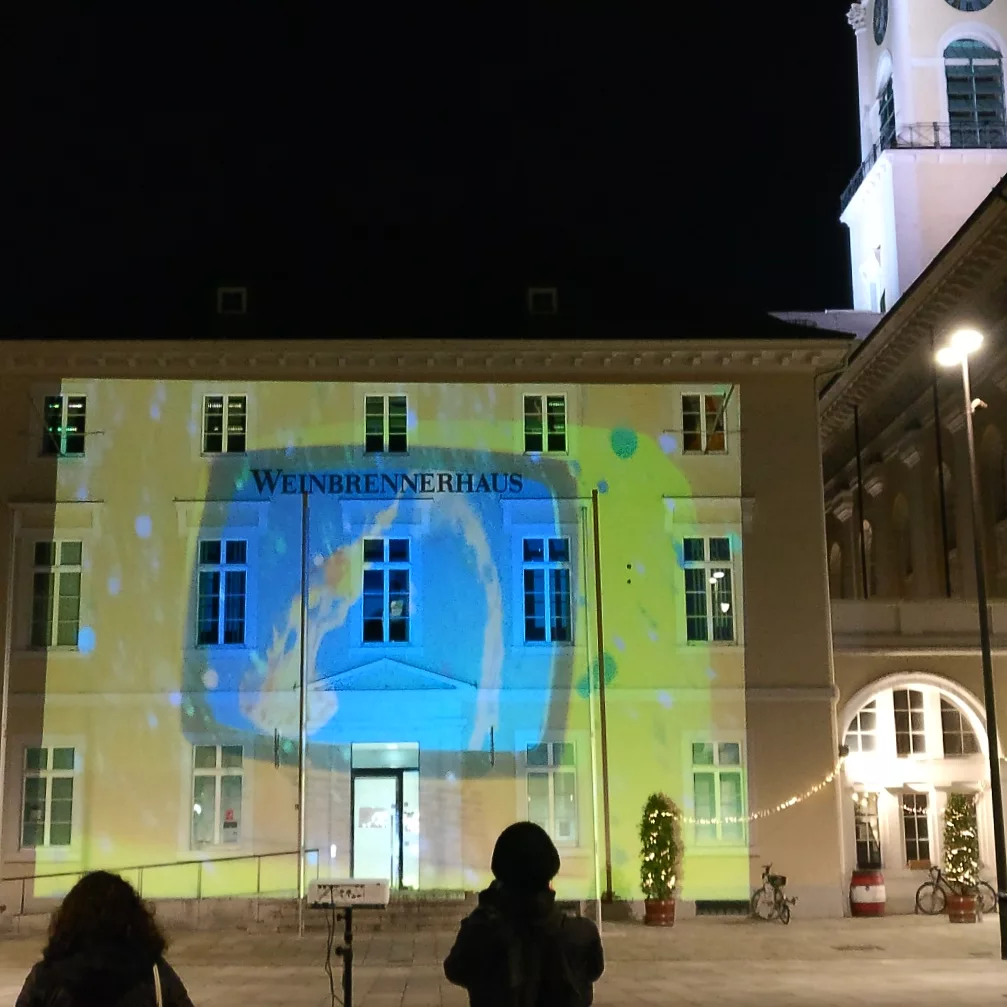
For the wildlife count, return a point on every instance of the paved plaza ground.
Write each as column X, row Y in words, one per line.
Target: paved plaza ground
column 898, row 960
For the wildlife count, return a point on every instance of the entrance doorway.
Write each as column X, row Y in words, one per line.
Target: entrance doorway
column 385, row 791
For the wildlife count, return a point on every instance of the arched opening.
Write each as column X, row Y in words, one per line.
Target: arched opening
column 872, row 568
column 973, row 72
column 913, row 740
column 837, row 584
column 903, row 543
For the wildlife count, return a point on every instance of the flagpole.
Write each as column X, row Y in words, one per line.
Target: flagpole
column 302, row 740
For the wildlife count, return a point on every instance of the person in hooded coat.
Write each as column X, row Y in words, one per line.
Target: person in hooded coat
column 102, row 952
column 517, row 949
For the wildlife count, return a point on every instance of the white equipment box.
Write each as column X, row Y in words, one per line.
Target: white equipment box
column 348, row 893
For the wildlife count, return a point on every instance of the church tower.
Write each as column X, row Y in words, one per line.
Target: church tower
column 933, row 134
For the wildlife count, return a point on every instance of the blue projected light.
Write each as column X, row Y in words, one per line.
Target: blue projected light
column 415, row 615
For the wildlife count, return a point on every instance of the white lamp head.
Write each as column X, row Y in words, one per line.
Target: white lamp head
column 964, row 342
column 967, row 341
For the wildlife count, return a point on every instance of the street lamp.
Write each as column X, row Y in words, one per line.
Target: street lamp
column 965, row 342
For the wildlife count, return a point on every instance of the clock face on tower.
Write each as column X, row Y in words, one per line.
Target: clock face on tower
column 970, row 5
column 881, row 18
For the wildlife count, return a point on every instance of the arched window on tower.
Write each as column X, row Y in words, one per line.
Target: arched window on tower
column 837, row 585
column 903, row 544
column 872, row 569
column 886, row 115
column 975, row 83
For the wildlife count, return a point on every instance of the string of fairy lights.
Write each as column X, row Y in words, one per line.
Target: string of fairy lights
column 795, row 799
column 790, row 802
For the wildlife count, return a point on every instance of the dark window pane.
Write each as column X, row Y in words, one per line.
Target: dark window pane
column 692, row 423
column 561, row 629
column 208, row 607
column 534, row 550
column 73, row 435
column 559, row 550
column 209, row 553
column 234, row 606
column 537, row 755
column 42, row 604
column 236, row 552
column 694, row 550
column 533, row 425
column 398, row 631
column 374, row 631
column 398, row 550
column 534, row 605
column 45, row 553
column 52, row 432
column 62, row 758
column 720, row 550
column 556, row 423
column 36, row 759
column 374, row 550
column 230, row 756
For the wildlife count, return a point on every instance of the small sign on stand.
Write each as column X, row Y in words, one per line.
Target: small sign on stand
column 341, row 897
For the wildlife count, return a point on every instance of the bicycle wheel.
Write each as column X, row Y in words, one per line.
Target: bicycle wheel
column 987, row 898
column 785, row 914
column 930, row 899
column 763, row 904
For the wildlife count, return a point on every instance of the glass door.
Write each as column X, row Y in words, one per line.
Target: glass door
column 377, row 826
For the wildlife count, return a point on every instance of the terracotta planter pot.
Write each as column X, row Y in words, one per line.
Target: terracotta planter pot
column 659, row 912
column 961, row 908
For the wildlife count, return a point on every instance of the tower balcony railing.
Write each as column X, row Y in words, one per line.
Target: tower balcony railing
column 928, row 136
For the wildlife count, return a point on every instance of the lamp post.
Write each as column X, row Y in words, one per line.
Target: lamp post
column 963, row 343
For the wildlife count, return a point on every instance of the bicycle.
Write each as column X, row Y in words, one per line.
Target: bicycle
column 931, row 896
column 768, row 901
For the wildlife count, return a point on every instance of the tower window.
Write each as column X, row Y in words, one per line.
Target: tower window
column 542, row 301
column 975, row 82
column 886, row 116
column 232, row 300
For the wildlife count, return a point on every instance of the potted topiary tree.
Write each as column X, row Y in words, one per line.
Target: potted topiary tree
column 961, row 858
column 660, row 854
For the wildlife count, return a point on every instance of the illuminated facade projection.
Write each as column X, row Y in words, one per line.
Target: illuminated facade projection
column 198, row 527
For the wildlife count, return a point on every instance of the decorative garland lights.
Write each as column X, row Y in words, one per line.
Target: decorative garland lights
column 766, row 812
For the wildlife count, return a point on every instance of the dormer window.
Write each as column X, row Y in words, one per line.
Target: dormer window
column 232, row 300
column 542, row 301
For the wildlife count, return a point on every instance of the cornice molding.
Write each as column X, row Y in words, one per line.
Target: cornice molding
column 469, row 360
column 909, row 448
column 874, row 480
column 842, row 506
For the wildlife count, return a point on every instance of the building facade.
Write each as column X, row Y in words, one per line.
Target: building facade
column 933, row 134
column 439, row 540
column 901, row 569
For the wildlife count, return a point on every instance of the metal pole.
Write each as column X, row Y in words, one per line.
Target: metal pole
column 593, row 734
column 302, row 774
column 860, row 504
column 15, row 527
column 940, row 472
column 347, row 952
column 989, row 696
column 607, row 897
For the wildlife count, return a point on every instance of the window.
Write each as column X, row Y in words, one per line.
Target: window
column 862, row 734
column 886, row 117
column 959, row 738
column 551, row 776
column 718, row 795
column 703, row 429
column 548, row 616
column 225, row 419
column 542, row 301
column 232, row 300
column 545, row 424
column 222, row 584
column 47, row 807
column 386, row 590
column 975, row 83
column 64, row 422
column 868, row 836
column 709, row 602
column 385, row 423
column 910, row 738
column 216, row 795
column 916, row 827
column 55, row 601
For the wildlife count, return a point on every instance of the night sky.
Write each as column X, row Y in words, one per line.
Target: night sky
column 695, row 158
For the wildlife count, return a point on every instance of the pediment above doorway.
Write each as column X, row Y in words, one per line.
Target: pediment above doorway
column 389, row 675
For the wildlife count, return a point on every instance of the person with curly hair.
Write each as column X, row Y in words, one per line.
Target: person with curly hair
column 104, row 950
